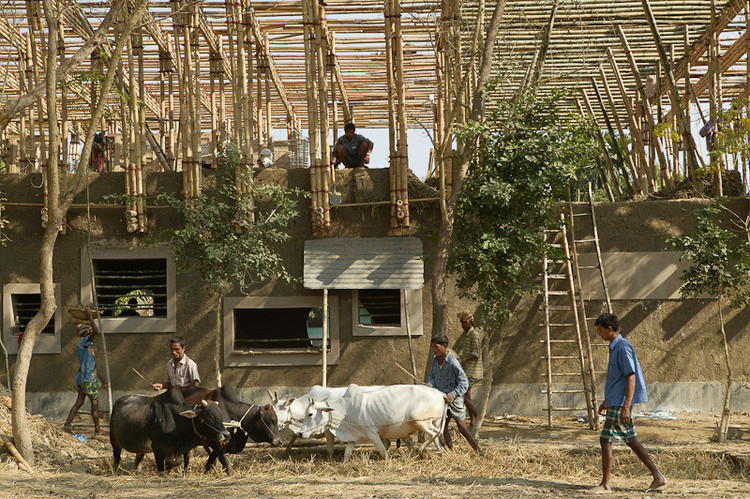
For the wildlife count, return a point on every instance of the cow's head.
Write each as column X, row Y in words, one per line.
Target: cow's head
column 282, row 408
column 263, row 427
column 207, row 421
column 317, row 419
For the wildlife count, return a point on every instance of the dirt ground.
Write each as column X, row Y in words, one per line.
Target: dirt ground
column 522, row 458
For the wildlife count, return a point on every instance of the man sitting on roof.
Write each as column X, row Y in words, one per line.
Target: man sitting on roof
column 353, row 149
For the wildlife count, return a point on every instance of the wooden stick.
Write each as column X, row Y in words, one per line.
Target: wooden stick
column 142, row 376
column 407, row 372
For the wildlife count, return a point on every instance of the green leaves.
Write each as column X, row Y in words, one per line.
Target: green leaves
column 720, row 260
column 218, row 237
column 528, row 154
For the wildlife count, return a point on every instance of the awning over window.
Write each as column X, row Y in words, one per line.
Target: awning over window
column 364, row 263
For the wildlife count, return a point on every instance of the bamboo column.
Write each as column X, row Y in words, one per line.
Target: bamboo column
column 65, row 125
column 232, row 33
column 172, row 140
column 402, row 212
column 267, row 64
column 602, row 174
column 392, row 125
column 611, row 131
column 24, row 89
column 222, row 100
column 141, row 135
column 197, row 91
column 318, row 14
column 215, row 71
column 334, row 102
column 131, row 207
column 246, row 69
column 672, row 81
column 603, row 145
column 714, row 91
column 259, row 71
column 311, row 84
column 636, row 131
column 623, row 138
column 665, row 173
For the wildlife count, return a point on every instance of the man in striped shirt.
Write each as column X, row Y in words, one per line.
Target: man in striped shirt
column 447, row 376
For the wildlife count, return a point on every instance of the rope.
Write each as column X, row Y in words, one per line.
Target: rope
column 93, row 293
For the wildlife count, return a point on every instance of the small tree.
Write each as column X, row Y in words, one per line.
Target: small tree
column 528, row 154
column 720, row 268
column 218, row 237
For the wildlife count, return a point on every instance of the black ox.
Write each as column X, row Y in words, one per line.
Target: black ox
column 257, row 422
column 165, row 425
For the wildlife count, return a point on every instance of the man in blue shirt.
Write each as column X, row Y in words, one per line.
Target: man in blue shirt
column 447, row 376
column 87, row 378
column 353, row 149
column 624, row 387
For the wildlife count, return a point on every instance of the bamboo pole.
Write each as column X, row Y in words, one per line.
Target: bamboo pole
column 603, row 145
column 172, row 142
column 131, row 212
column 259, row 98
column 318, row 11
column 197, row 123
column 251, row 120
column 141, row 136
column 611, row 131
column 312, row 110
column 715, row 96
column 65, row 125
column 675, row 97
column 623, row 138
column 635, row 130
column 403, row 195
column 392, row 125
column 214, row 74
column 269, row 121
column 232, row 33
column 666, row 177
column 602, row 175
column 222, row 97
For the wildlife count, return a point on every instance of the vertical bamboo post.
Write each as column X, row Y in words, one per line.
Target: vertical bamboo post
column 23, row 88
column 334, row 101
column 715, row 96
column 402, row 148
column 259, row 98
column 325, row 335
column 197, row 104
column 232, row 30
column 214, row 65
column 65, row 125
column 666, row 177
column 312, row 112
column 318, row 11
column 131, row 213
column 392, row 125
column 251, row 119
column 172, row 139
column 222, row 98
column 141, row 136
column 269, row 117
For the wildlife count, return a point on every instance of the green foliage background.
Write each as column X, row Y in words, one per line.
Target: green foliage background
column 217, row 237
column 529, row 153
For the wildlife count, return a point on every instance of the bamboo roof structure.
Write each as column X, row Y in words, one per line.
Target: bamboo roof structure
column 577, row 43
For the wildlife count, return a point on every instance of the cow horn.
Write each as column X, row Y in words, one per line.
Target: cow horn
column 204, row 403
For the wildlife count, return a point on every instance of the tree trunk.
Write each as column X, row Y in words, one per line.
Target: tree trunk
column 57, row 208
column 724, row 425
column 219, row 340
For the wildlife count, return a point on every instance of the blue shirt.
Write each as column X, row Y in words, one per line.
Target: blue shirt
column 450, row 378
column 86, row 363
column 622, row 362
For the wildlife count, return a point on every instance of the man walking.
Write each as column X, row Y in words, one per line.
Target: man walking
column 623, row 388
column 447, row 376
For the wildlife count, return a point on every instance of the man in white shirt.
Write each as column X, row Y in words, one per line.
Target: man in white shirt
column 182, row 371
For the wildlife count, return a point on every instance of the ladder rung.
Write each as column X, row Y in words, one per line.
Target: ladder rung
column 565, row 374
column 558, row 293
column 569, row 408
column 585, row 240
column 555, row 307
column 558, row 341
column 558, row 357
column 564, row 391
column 598, row 344
column 588, row 266
column 557, row 276
column 556, row 245
column 558, row 325
column 581, row 214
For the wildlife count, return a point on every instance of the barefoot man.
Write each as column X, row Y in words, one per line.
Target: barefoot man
column 624, row 387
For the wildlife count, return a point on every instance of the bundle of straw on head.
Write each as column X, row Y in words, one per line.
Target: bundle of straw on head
column 79, row 314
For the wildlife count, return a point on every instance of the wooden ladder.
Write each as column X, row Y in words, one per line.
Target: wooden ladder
column 562, row 329
column 593, row 241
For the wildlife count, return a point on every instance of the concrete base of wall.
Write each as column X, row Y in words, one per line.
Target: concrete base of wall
column 523, row 399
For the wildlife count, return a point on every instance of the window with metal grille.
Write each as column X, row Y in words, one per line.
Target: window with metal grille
column 132, row 287
column 279, row 328
column 380, row 307
column 25, row 306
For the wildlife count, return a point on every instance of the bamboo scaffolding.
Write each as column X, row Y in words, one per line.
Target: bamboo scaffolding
column 402, row 201
column 602, row 143
column 611, row 131
column 318, row 15
column 602, row 175
column 392, row 125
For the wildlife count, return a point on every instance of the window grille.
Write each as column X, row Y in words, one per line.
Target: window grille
column 131, row 287
column 25, row 306
column 380, row 307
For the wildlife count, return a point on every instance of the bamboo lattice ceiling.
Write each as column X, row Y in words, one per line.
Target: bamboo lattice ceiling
column 582, row 31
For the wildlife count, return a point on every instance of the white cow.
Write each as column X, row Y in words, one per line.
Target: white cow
column 290, row 411
column 389, row 413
